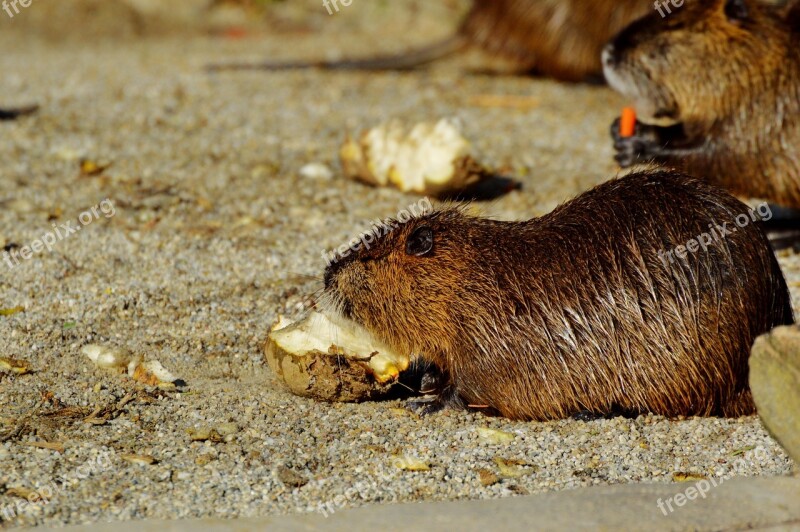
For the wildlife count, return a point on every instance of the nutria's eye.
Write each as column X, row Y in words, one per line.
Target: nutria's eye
column 420, row 242
column 736, row 10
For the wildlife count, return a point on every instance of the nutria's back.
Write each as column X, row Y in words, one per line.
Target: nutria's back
column 578, row 310
column 725, row 74
column 558, row 38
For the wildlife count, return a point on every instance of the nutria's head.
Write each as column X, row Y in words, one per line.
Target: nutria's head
column 403, row 285
column 699, row 62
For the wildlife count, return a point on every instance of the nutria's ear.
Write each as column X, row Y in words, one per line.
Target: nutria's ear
column 736, row 10
column 420, row 242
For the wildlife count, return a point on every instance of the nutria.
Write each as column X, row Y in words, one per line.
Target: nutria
column 718, row 86
column 591, row 308
column 562, row 39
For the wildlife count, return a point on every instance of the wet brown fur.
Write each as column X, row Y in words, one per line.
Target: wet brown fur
column 575, row 311
column 731, row 85
column 562, row 39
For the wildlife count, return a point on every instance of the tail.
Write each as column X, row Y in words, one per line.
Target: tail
column 404, row 61
column 783, row 227
column 11, row 114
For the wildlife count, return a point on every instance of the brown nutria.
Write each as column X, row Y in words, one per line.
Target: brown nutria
column 718, row 85
column 581, row 310
column 562, row 39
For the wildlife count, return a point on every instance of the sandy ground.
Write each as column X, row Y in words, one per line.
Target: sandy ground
column 215, row 233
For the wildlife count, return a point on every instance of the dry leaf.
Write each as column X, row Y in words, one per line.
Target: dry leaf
column 205, row 434
column 24, row 493
column 409, row 463
column 513, row 468
column 487, row 478
column 12, row 365
column 139, row 459
column 52, row 446
column 743, row 450
column 91, row 168
column 495, row 437
column 290, row 477
column 218, row 433
column 680, row 476
column 519, row 490
column 204, row 459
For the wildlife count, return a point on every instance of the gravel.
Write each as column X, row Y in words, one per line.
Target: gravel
column 226, row 191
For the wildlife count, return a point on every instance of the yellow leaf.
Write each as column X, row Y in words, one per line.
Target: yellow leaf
column 681, row 476
column 14, row 366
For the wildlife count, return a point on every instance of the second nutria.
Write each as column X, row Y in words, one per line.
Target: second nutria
column 596, row 307
column 718, row 86
column 556, row 38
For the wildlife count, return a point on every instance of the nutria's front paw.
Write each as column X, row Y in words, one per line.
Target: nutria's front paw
column 447, row 397
column 426, row 405
column 432, row 382
column 587, row 415
column 642, row 146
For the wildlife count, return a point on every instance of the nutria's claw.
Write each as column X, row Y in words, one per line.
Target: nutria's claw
column 426, row 405
column 632, row 154
column 447, row 397
column 641, row 146
column 587, row 415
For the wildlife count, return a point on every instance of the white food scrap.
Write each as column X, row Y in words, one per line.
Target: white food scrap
column 150, row 372
column 431, row 158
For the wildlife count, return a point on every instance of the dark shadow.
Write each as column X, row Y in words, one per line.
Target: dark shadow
column 486, row 190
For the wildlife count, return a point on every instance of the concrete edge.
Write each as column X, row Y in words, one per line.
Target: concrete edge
column 735, row 504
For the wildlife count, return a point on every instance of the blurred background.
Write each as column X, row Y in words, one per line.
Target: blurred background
column 104, row 21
